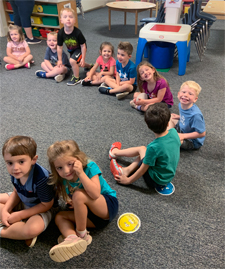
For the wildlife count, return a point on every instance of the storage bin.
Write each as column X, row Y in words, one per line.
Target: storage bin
column 35, row 32
column 35, row 10
column 161, row 54
column 11, row 17
column 52, row 21
column 9, row 7
column 36, row 20
column 50, row 9
column 44, row 32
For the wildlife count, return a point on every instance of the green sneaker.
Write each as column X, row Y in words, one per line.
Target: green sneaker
column 73, row 81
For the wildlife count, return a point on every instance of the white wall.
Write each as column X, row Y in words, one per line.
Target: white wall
column 3, row 24
column 92, row 4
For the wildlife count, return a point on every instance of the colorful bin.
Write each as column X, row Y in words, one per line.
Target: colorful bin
column 161, row 54
column 36, row 20
column 52, row 21
column 8, row 5
column 50, row 9
column 11, row 17
column 44, row 32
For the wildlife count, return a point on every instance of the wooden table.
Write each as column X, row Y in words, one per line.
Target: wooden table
column 129, row 6
column 216, row 8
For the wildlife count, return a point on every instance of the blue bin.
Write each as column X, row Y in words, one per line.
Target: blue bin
column 11, row 17
column 161, row 54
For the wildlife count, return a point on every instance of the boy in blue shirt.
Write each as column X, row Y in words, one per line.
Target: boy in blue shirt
column 25, row 213
column 158, row 162
column 126, row 74
column 51, row 70
column 190, row 124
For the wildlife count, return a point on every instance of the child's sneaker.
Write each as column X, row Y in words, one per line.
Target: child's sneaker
column 74, row 81
column 132, row 104
column 121, row 95
column 9, row 66
column 27, row 65
column 31, row 242
column 59, row 77
column 40, row 74
column 167, row 190
column 117, row 145
column 103, row 84
column 72, row 246
column 104, row 90
column 87, row 237
column 115, row 168
column 86, row 83
column 88, row 68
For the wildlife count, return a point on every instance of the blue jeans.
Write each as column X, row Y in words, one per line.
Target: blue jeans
column 22, row 11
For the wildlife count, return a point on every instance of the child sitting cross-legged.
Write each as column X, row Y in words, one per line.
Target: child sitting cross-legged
column 107, row 65
column 126, row 74
column 51, row 70
column 190, row 124
column 158, row 162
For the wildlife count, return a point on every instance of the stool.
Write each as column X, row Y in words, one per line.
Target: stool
column 178, row 34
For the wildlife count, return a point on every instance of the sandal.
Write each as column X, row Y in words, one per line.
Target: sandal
column 117, row 145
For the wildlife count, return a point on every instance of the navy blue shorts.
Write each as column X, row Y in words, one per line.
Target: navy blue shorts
column 113, row 207
column 22, row 11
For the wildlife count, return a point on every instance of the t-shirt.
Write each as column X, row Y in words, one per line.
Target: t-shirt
column 160, row 84
column 127, row 72
column 53, row 57
column 106, row 66
column 36, row 188
column 17, row 49
column 72, row 41
column 191, row 120
column 90, row 170
column 162, row 156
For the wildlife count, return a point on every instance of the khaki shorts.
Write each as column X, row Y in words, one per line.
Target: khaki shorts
column 46, row 216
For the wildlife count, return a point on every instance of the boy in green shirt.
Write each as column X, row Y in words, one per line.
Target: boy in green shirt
column 158, row 162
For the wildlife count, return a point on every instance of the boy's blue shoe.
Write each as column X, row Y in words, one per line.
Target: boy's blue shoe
column 40, row 74
column 104, row 89
column 167, row 190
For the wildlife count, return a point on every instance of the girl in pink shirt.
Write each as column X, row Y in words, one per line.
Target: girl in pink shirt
column 107, row 65
column 18, row 51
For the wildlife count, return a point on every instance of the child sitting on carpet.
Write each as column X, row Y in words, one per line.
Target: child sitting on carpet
column 107, row 65
column 25, row 212
column 51, row 70
column 155, row 87
column 126, row 74
column 18, row 51
column 158, row 163
column 80, row 183
column 190, row 124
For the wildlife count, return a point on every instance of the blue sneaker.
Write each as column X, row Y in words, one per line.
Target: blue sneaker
column 40, row 74
column 167, row 190
column 104, row 89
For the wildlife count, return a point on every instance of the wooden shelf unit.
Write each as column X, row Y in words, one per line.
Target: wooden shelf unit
column 60, row 5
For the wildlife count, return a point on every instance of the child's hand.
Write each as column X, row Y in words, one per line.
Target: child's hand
column 5, row 217
column 59, row 63
column 78, row 167
column 122, row 179
column 82, row 63
column 88, row 78
column 20, row 59
column 140, row 102
column 99, row 76
column 69, row 203
column 14, row 217
column 175, row 116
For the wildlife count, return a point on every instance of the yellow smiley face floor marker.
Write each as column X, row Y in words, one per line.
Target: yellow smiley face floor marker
column 129, row 223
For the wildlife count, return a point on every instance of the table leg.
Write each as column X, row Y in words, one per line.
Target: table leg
column 182, row 56
column 125, row 18
column 136, row 21
column 140, row 49
column 109, row 19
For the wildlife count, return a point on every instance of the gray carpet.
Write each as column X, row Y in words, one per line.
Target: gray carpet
column 185, row 230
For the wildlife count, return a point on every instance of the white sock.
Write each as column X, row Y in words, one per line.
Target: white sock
column 82, row 233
